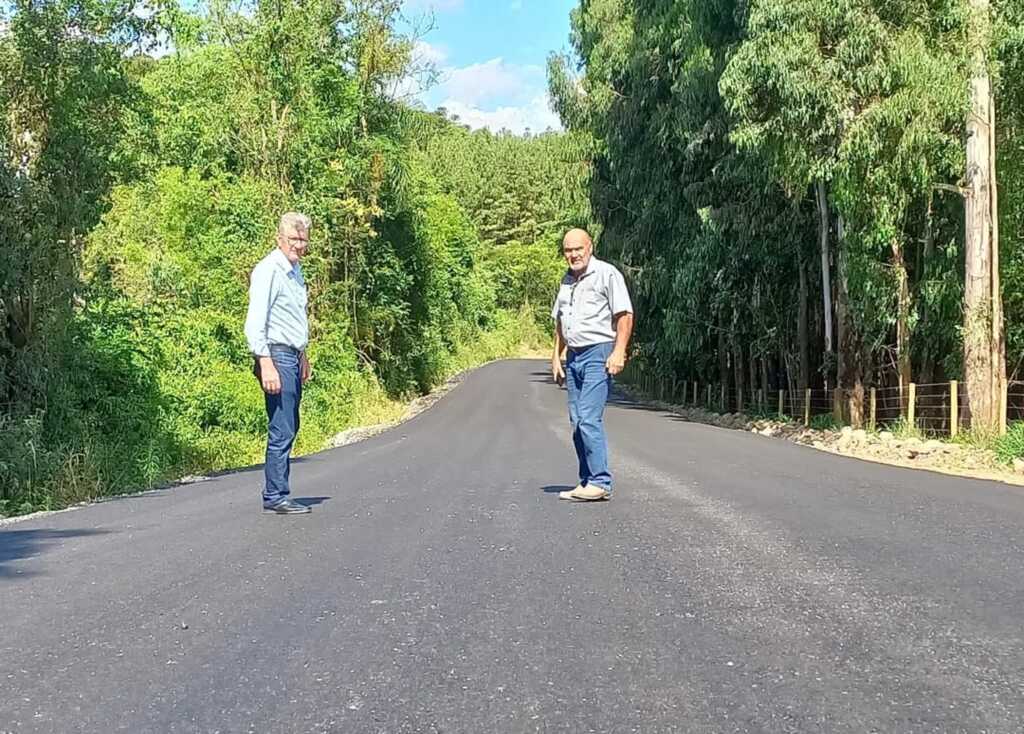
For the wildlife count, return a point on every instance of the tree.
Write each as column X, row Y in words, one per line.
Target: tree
column 984, row 346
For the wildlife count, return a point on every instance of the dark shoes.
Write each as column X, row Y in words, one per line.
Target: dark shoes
column 286, row 507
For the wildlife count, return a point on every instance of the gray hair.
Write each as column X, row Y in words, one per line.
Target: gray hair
column 292, row 221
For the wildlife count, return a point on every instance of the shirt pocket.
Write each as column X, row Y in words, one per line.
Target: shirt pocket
column 596, row 300
column 564, row 301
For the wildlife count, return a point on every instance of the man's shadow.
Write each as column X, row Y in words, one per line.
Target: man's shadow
column 311, row 501
column 555, row 488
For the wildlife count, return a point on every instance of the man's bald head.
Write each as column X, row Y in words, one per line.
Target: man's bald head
column 577, row 235
column 578, row 249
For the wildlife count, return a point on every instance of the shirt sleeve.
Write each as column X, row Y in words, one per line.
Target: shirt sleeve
column 618, row 294
column 260, row 297
column 554, row 307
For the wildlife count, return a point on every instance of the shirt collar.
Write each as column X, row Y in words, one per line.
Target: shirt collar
column 591, row 267
column 281, row 260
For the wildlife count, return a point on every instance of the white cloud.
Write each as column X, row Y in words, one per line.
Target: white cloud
column 491, row 81
column 493, row 94
column 426, row 53
column 426, row 61
column 536, row 115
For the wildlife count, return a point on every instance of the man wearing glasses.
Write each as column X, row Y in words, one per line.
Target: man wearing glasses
column 277, row 330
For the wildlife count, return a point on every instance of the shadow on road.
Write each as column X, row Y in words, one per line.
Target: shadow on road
column 621, row 400
column 311, row 501
column 555, row 488
column 16, row 545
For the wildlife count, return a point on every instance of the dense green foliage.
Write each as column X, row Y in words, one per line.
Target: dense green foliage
column 522, row 194
column 714, row 127
column 137, row 193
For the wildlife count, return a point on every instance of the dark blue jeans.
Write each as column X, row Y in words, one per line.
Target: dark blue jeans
column 589, row 384
column 283, row 418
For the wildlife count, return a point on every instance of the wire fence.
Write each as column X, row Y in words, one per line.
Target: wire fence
column 935, row 409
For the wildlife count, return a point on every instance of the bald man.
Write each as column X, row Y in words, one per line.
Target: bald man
column 593, row 323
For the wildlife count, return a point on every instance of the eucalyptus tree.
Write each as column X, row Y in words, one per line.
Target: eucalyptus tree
column 860, row 96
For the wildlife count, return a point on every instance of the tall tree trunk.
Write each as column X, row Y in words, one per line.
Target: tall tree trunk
column 984, row 355
column 902, row 312
column 738, row 367
column 927, row 371
column 849, row 351
column 838, row 413
column 998, row 327
column 826, row 281
column 752, row 363
column 723, row 354
column 802, row 331
column 787, row 380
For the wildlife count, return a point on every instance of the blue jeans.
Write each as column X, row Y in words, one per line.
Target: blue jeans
column 283, row 418
column 589, row 384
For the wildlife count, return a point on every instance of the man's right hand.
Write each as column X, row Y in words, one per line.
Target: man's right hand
column 557, row 373
column 269, row 377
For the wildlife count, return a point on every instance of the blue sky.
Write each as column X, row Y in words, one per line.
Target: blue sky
column 491, row 55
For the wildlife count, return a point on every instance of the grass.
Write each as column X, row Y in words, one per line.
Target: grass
column 66, row 475
column 824, row 422
column 1011, row 445
column 904, row 430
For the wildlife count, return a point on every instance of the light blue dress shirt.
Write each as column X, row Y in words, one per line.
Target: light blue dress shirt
column 277, row 306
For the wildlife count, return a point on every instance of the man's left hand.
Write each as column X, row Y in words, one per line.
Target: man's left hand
column 307, row 371
column 616, row 362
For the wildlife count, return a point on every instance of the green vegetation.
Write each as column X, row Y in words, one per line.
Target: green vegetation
column 1011, row 445
column 136, row 194
column 824, row 422
column 786, row 185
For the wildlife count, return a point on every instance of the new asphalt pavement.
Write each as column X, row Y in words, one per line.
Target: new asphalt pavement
column 734, row 583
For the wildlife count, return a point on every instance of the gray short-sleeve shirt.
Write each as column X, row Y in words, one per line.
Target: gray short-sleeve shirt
column 587, row 306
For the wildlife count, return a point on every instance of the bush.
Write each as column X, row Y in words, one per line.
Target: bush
column 824, row 422
column 527, row 275
column 1010, row 446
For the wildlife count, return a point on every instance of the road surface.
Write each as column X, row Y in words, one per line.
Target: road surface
column 734, row 584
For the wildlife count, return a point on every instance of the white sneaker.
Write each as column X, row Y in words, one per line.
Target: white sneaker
column 585, row 494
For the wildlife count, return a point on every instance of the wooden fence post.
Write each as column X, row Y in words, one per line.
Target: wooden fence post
column 954, row 409
column 739, row 402
column 837, row 405
column 721, row 400
column 782, row 403
column 874, row 410
column 807, row 407
column 708, row 403
column 911, row 406
column 1003, row 404
column 695, row 386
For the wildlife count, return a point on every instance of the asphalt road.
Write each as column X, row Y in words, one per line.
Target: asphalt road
column 734, row 584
